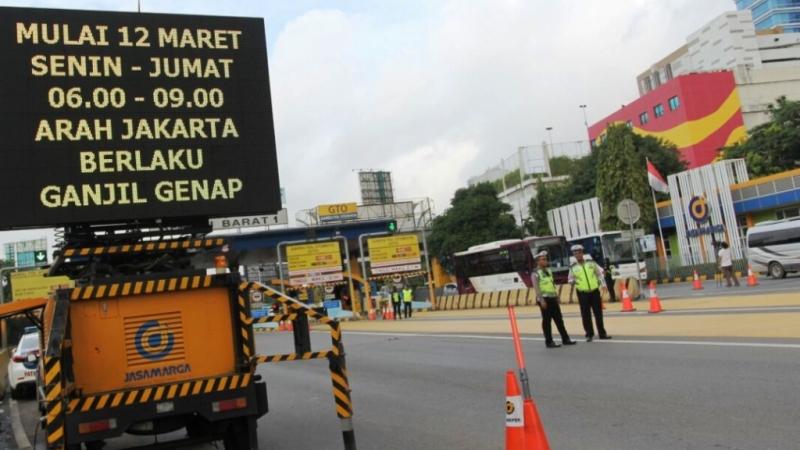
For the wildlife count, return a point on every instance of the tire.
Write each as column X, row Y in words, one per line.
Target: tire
column 776, row 270
column 16, row 393
column 241, row 435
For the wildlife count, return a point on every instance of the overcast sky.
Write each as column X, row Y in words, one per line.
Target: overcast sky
column 436, row 91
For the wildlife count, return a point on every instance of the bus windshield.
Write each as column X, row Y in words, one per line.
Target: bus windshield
column 556, row 248
column 618, row 249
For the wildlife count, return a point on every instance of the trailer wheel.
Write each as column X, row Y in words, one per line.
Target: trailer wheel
column 241, row 435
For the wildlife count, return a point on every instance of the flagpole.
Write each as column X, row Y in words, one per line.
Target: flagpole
column 660, row 232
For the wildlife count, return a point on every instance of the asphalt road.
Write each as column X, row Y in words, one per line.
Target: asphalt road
column 425, row 392
column 710, row 288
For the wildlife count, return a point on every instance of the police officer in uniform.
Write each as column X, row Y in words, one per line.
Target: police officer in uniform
column 408, row 297
column 396, row 305
column 588, row 279
column 547, row 298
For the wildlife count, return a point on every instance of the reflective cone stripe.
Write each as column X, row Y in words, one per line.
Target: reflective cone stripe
column 751, row 277
column 515, row 415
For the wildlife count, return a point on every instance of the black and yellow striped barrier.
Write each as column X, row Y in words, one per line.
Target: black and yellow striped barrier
column 496, row 299
column 145, row 247
column 335, row 354
column 158, row 393
column 159, row 285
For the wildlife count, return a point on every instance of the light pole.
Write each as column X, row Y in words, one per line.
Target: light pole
column 585, row 120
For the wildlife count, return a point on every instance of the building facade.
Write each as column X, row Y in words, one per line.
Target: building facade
column 772, row 14
column 26, row 253
column 699, row 113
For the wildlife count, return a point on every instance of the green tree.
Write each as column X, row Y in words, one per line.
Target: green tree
column 621, row 174
column 561, row 165
column 773, row 146
column 537, row 224
column 474, row 217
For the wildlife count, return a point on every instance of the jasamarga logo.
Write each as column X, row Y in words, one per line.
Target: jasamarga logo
column 158, row 372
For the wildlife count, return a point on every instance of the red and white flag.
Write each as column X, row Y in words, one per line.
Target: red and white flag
column 657, row 182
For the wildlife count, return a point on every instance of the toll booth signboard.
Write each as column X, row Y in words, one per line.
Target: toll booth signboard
column 109, row 117
column 337, row 212
column 314, row 263
column 35, row 284
column 394, row 254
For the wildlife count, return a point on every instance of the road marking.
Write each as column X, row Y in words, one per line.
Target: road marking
column 16, row 426
column 613, row 341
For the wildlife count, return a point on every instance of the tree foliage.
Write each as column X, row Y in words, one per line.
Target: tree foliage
column 773, row 146
column 474, row 217
column 621, row 174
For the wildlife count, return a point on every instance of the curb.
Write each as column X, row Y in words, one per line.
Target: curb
column 16, row 427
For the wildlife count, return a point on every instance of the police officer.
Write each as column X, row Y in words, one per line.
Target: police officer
column 408, row 297
column 588, row 279
column 547, row 298
column 396, row 305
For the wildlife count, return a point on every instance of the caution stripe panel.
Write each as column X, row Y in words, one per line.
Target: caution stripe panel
column 159, row 246
column 153, row 394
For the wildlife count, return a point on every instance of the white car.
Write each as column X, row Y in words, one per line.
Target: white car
column 23, row 366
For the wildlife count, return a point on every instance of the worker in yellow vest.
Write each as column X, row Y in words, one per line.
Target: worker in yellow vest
column 396, row 305
column 547, row 297
column 587, row 277
column 408, row 297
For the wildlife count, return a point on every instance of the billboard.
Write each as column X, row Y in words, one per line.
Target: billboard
column 116, row 116
column 35, row 284
column 376, row 187
column 337, row 212
column 393, row 254
column 314, row 263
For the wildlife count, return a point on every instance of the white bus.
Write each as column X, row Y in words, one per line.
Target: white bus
column 611, row 249
column 774, row 247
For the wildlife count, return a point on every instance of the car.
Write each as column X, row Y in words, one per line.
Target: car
column 450, row 289
column 23, row 366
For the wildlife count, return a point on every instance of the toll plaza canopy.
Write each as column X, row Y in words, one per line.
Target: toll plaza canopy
column 260, row 247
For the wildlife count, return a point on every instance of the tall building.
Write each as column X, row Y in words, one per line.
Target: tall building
column 773, row 14
column 26, row 253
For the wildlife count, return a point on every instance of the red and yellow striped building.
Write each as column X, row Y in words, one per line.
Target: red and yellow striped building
column 700, row 113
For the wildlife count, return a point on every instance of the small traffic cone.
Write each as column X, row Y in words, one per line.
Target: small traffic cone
column 281, row 326
column 698, row 284
column 655, row 302
column 627, row 303
column 515, row 418
column 751, row 277
column 535, row 437
column 371, row 314
column 390, row 314
column 289, row 326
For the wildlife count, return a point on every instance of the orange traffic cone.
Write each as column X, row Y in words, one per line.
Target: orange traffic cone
column 751, row 277
column 390, row 314
column 698, row 284
column 515, row 419
column 535, row 437
column 371, row 314
column 281, row 326
column 627, row 303
column 655, row 302
column 289, row 326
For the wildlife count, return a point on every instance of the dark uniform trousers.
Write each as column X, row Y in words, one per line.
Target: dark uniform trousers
column 590, row 302
column 553, row 313
column 397, row 306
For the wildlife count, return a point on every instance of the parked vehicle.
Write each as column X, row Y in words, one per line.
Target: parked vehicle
column 611, row 249
column 495, row 266
column 557, row 251
column 774, row 247
column 23, row 366
column 450, row 289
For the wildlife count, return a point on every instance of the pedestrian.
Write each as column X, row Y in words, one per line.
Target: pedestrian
column 408, row 297
column 588, row 279
column 609, row 281
column 396, row 304
column 726, row 264
column 547, row 298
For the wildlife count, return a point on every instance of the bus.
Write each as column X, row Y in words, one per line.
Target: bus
column 610, row 249
column 494, row 266
column 508, row 264
column 774, row 247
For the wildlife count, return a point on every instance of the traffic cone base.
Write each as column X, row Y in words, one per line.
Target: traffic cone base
column 535, row 437
column 371, row 315
column 627, row 303
column 515, row 419
column 655, row 302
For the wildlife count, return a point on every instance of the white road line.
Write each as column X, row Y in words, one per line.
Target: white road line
column 16, row 426
column 612, row 341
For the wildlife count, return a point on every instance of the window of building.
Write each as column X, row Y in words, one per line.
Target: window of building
column 787, row 213
column 648, row 85
column 644, row 118
column 657, row 78
column 658, row 110
column 667, row 249
column 674, row 103
column 668, row 71
column 629, row 124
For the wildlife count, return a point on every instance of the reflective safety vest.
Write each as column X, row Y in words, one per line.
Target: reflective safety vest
column 395, row 297
column 547, row 286
column 585, row 276
column 408, row 295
